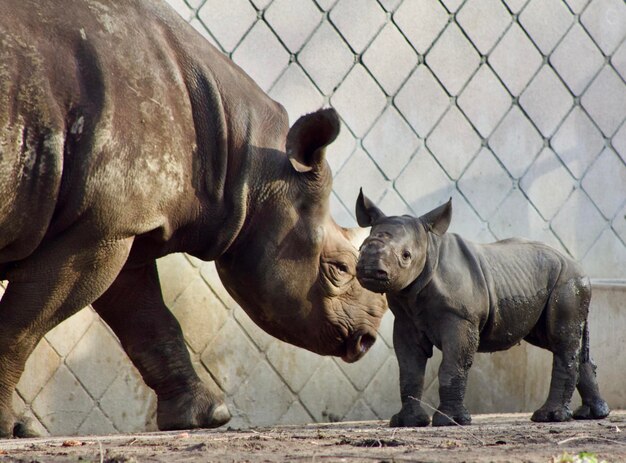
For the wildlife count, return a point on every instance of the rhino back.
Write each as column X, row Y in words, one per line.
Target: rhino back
column 517, row 267
column 116, row 112
column 520, row 276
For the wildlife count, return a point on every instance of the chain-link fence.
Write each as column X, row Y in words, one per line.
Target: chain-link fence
column 514, row 108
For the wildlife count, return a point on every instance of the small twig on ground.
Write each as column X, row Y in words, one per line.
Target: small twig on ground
column 101, row 451
column 461, row 427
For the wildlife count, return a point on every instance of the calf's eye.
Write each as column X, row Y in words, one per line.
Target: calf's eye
column 406, row 255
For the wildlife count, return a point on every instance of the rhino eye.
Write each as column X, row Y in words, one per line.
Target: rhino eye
column 341, row 268
column 406, row 255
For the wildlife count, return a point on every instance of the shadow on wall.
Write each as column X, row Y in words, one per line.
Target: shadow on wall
column 79, row 381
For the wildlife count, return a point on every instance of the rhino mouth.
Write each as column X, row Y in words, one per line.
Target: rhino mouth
column 373, row 276
column 357, row 346
column 375, row 283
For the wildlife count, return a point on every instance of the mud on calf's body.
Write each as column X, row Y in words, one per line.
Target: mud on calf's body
column 464, row 298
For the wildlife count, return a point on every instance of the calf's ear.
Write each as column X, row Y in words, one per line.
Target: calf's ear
column 438, row 220
column 366, row 211
column 308, row 138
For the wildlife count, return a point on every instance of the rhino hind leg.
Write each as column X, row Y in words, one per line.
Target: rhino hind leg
column 10, row 426
column 24, row 428
column 566, row 320
column 593, row 406
column 42, row 292
column 133, row 307
column 556, row 408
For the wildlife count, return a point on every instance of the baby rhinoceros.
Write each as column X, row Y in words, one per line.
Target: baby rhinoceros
column 464, row 298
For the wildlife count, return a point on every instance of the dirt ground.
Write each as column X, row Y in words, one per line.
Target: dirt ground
column 492, row 438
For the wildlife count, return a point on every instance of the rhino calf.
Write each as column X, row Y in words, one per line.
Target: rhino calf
column 464, row 298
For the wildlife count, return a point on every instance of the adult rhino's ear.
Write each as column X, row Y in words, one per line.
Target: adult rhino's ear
column 366, row 211
column 438, row 220
column 309, row 136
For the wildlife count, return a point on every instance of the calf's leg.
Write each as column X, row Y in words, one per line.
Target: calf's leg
column 459, row 344
column 412, row 351
column 566, row 315
column 45, row 289
column 593, row 406
column 151, row 336
column 556, row 408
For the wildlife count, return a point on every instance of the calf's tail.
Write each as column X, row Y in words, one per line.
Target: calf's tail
column 584, row 352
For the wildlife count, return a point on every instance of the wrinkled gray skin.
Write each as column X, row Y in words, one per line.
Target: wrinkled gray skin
column 125, row 136
column 465, row 298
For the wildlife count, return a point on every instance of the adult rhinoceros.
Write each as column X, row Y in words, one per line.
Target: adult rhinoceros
column 125, row 136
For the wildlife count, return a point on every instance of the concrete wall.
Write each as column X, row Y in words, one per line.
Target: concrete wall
column 514, row 108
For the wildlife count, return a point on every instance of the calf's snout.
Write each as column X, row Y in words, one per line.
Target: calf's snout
column 372, row 270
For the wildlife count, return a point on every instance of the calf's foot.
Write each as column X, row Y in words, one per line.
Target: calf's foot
column 592, row 411
column 452, row 417
column 554, row 414
column 410, row 416
column 593, row 406
column 196, row 408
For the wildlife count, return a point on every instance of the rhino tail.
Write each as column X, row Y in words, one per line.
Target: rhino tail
column 584, row 351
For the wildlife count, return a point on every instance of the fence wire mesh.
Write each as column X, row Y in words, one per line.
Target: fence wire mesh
column 514, row 108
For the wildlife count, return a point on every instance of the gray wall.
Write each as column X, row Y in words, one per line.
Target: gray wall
column 516, row 109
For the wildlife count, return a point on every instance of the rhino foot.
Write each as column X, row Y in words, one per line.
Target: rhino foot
column 592, row 411
column 24, row 428
column 20, row 428
column 552, row 415
column 415, row 417
column 452, row 417
column 198, row 408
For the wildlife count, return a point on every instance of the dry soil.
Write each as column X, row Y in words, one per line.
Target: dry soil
column 491, row 438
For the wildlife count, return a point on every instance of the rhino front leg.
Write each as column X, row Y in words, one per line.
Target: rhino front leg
column 459, row 343
column 45, row 289
column 412, row 351
column 151, row 336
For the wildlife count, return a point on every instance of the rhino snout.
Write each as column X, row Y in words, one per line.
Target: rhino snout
column 357, row 346
column 373, row 274
column 376, row 280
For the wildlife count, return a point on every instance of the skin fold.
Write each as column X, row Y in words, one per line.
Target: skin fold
column 463, row 298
